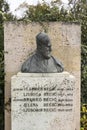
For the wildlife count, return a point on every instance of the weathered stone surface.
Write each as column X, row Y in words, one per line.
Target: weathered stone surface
column 19, row 43
column 43, row 101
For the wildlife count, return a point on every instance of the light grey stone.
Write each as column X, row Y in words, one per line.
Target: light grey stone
column 43, row 101
column 19, row 44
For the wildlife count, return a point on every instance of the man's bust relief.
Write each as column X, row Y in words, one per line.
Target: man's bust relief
column 42, row 61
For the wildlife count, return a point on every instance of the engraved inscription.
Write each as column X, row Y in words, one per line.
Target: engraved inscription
column 51, row 97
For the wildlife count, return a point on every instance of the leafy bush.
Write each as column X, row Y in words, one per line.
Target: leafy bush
column 84, row 117
column 4, row 15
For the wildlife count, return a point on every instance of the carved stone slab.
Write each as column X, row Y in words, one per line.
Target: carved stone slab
column 43, row 101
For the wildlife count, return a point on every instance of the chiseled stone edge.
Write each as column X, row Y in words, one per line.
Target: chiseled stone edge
column 65, row 73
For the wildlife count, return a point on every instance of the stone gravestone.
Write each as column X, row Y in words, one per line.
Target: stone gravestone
column 19, row 43
column 43, row 101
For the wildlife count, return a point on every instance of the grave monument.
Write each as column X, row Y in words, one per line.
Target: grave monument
column 46, row 98
column 43, row 95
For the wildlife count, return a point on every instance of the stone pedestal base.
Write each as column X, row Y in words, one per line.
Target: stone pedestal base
column 43, row 101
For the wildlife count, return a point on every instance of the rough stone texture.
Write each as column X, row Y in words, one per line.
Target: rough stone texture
column 19, row 43
column 43, row 101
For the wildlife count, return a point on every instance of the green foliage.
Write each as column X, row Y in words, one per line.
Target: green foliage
column 83, row 117
column 4, row 15
column 1, row 90
column 45, row 12
column 80, row 13
column 84, row 74
column 1, row 37
column 1, row 67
